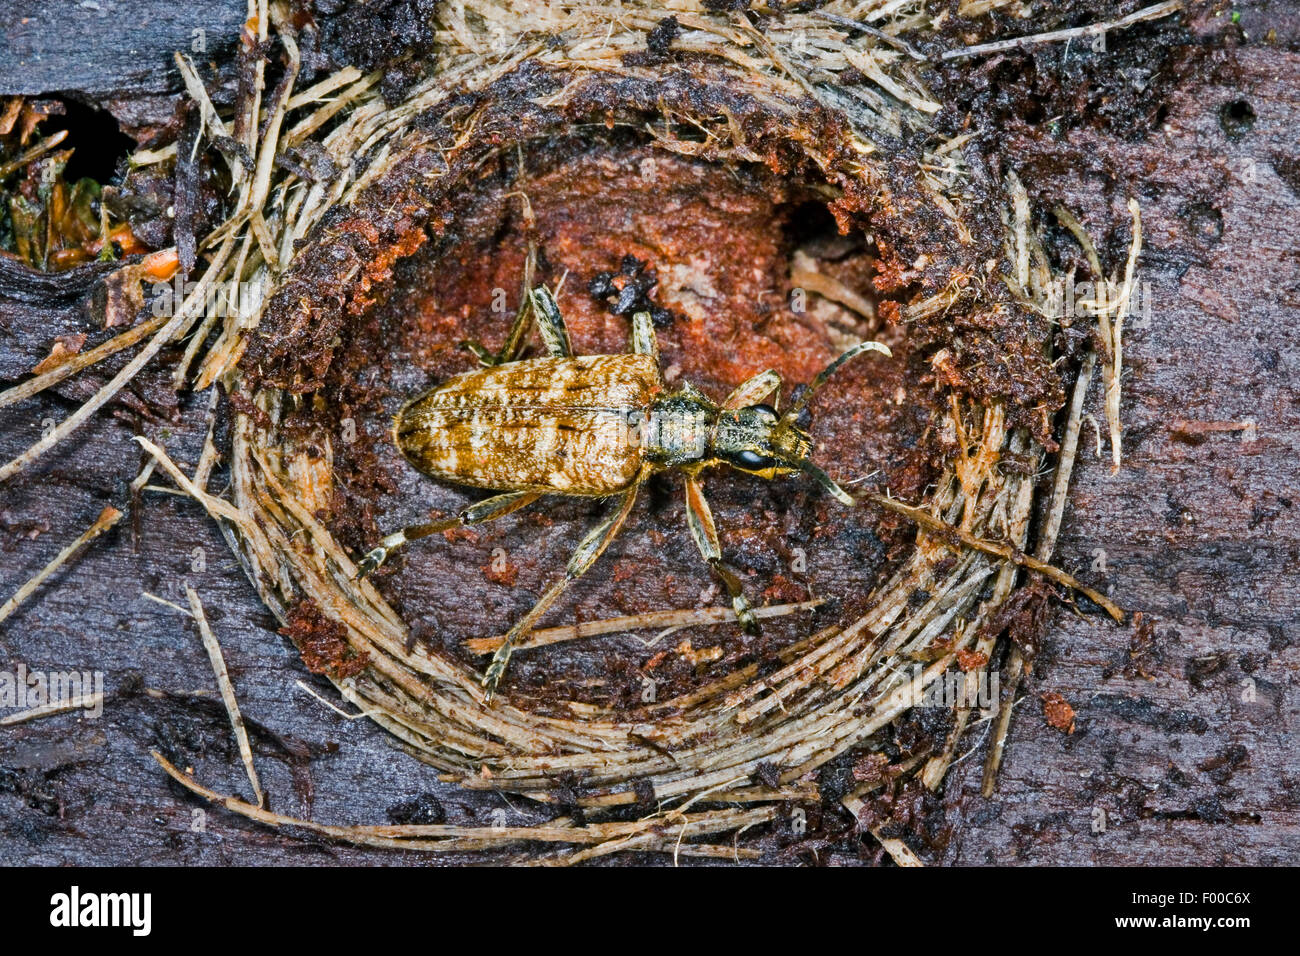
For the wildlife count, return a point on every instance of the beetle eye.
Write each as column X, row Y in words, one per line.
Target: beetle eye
column 752, row 460
column 767, row 411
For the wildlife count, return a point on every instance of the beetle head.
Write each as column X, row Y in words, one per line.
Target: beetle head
column 761, row 441
column 755, row 439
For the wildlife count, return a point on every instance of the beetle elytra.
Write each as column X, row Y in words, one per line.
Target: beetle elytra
column 596, row 426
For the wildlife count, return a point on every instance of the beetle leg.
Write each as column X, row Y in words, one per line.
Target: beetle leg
column 514, row 340
column 489, row 509
column 480, row 352
column 754, row 389
column 644, row 341
column 699, row 518
column 519, row 329
column 591, row 548
column 550, row 323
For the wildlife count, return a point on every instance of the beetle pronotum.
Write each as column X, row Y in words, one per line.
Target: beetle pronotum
column 595, row 426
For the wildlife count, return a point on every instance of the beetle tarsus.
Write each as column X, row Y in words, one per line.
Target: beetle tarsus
column 487, row 358
column 497, row 669
column 377, row 555
column 371, row 562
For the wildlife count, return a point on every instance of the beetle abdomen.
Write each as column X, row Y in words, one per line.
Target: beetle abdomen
column 564, row 425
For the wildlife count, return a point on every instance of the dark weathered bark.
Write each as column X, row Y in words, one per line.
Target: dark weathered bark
column 108, row 50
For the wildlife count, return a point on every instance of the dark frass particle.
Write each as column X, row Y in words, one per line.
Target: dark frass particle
column 660, row 39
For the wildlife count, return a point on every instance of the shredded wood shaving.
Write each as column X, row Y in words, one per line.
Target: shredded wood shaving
column 107, row 518
column 79, row 702
column 675, row 620
column 1154, row 12
column 227, row 691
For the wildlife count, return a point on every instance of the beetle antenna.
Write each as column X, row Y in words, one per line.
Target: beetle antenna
column 801, row 402
column 826, row 482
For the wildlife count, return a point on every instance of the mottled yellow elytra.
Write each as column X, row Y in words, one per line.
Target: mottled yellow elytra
column 553, row 425
column 599, row 426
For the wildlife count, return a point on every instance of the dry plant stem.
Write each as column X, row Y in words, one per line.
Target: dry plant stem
column 543, row 637
column 893, row 41
column 447, row 838
column 227, row 691
column 1111, row 306
column 194, row 86
column 186, row 313
column 209, row 456
column 164, row 602
column 151, row 157
column 671, row 842
column 107, row 518
column 644, row 844
column 1153, row 12
column 39, row 383
column 1115, row 365
column 37, row 151
column 1004, row 551
column 833, row 290
column 898, row 851
column 1065, row 462
column 318, row 91
column 216, row 507
column 1015, row 669
column 80, row 702
column 1070, row 222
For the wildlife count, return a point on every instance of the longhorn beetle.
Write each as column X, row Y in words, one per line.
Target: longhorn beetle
column 595, row 426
